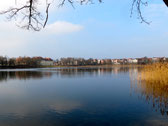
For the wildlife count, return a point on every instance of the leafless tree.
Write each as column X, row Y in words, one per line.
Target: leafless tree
column 31, row 18
column 138, row 4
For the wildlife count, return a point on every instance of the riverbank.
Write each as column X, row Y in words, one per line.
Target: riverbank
column 86, row 66
column 93, row 66
column 18, row 67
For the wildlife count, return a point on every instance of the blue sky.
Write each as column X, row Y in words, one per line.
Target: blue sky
column 98, row 30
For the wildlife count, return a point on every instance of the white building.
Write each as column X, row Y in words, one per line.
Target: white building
column 115, row 61
column 99, row 61
column 47, row 63
column 132, row 61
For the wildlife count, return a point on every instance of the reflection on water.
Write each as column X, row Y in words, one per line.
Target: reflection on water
column 21, row 75
column 154, row 92
column 80, row 97
column 62, row 72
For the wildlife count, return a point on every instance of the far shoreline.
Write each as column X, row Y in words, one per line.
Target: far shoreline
column 73, row 66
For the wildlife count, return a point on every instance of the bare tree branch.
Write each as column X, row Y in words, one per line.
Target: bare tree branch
column 138, row 4
column 48, row 5
column 32, row 19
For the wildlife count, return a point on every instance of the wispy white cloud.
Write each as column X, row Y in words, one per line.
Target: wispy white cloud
column 15, row 41
column 11, row 39
column 63, row 27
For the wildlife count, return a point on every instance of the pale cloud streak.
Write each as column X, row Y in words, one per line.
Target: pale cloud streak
column 14, row 40
column 63, row 27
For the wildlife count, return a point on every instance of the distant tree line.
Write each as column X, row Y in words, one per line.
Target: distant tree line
column 31, row 62
column 19, row 62
column 126, row 61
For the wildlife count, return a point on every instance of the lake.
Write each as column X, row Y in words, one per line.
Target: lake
column 98, row 96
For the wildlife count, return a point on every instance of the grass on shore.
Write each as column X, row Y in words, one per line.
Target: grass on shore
column 153, row 84
column 155, row 73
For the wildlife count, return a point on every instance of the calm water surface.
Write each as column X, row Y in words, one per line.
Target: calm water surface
column 79, row 97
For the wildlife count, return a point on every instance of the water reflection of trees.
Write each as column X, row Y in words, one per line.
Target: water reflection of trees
column 154, row 92
column 22, row 75
column 94, row 71
column 61, row 72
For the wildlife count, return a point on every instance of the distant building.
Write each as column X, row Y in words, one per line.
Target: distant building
column 143, row 60
column 102, row 62
column 132, row 61
column 99, row 61
column 155, row 59
column 76, row 62
column 125, row 61
column 108, row 61
column 47, row 62
column 115, row 61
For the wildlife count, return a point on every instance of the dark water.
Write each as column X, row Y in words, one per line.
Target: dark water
column 78, row 97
